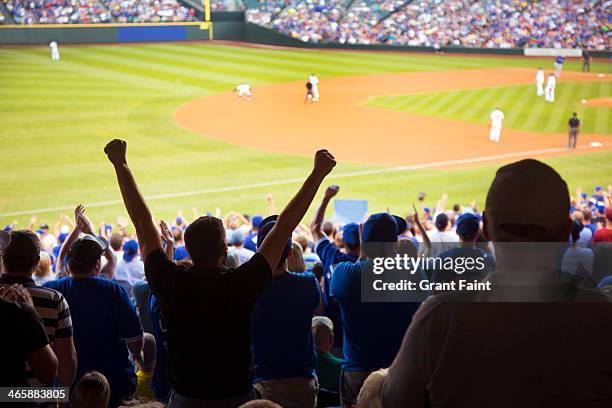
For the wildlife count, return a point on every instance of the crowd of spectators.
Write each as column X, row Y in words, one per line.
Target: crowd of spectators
column 57, row 11
column 438, row 23
column 98, row 11
column 149, row 11
column 229, row 308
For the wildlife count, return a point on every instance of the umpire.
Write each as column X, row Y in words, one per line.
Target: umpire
column 573, row 129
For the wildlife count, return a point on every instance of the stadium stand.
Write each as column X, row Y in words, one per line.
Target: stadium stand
column 96, row 11
column 486, row 23
column 76, row 254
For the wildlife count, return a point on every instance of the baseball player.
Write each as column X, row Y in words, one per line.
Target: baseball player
column 549, row 92
column 540, row 82
column 497, row 117
column 54, row 51
column 309, row 94
column 559, row 65
column 315, row 87
column 243, row 90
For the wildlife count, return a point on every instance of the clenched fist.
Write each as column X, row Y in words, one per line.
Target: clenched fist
column 331, row 191
column 116, row 150
column 324, row 162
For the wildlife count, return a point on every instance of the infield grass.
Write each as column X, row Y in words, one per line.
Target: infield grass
column 55, row 118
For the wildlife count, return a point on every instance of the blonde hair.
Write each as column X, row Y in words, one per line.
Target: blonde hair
column 92, row 391
column 43, row 268
column 295, row 261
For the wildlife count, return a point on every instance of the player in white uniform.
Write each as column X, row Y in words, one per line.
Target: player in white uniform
column 315, row 87
column 540, row 82
column 497, row 117
column 54, row 51
column 244, row 90
column 549, row 92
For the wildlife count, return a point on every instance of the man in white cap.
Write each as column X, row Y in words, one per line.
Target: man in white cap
column 538, row 346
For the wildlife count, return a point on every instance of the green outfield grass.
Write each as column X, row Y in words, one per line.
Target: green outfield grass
column 522, row 108
column 55, row 118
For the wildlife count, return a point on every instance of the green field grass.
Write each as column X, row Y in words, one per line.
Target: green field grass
column 522, row 108
column 55, row 118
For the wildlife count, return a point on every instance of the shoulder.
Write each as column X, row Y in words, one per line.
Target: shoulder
column 58, row 284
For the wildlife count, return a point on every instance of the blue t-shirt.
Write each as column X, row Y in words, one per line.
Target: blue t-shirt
column 103, row 318
column 282, row 328
column 560, row 60
column 180, row 253
column 250, row 242
column 159, row 328
column 373, row 331
column 330, row 255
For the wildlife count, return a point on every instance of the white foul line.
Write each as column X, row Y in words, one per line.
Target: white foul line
column 299, row 180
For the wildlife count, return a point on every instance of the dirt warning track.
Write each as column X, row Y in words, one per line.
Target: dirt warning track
column 278, row 120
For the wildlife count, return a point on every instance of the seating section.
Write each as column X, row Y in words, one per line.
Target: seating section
column 485, row 23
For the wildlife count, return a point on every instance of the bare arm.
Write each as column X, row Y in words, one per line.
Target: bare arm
column 271, row 204
column 167, row 238
column 317, row 221
column 111, row 261
column 74, row 234
column 135, row 346
column 426, row 239
column 139, row 213
column 275, row 242
column 67, row 360
column 44, row 364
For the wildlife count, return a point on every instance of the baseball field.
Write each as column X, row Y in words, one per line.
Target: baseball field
column 398, row 123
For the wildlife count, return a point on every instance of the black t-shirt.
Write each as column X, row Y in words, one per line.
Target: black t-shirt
column 574, row 122
column 22, row 333
column 208, row 312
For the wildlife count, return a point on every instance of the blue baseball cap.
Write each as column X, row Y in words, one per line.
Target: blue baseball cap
column 264, row 229
column 468, row 225
column 584, row 195
column 426, row 209
column 235, row 237
column 380, row 227
column 62, row 237
column 598, row 188
column 601, row 208
column 130, row 249
column 402, row 224
column 256, row 221
column 350, row 234
column 179, row 220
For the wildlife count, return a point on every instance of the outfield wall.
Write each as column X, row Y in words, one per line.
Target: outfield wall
column 224, row 26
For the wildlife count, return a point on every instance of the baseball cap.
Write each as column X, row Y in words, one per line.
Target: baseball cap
column 598, row 188
column 264, row 229
column 179, row 220
column 21, row 246
column 601, row 208
column 235, row 237
column 426, row 209
column 402, row 224
column 5, row 239
column 130, row 249
column 87, row 249
column 350, row 234
column 468, row 225
column 380, row 227
column 8, row 227
column 256, row 220
column 62, row 237
column 441, row 221
column 584, row 195
column 44, row 226
column 527, row 192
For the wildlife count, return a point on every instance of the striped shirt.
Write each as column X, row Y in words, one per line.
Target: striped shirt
column 51, row 307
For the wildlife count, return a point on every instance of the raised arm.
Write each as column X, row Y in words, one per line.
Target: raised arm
column 317, row 222
column 292, row 214
column 139, row 213
column 60, row 269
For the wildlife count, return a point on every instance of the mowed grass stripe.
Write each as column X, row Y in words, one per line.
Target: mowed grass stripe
column 522, row 108
column 79, row 66
column 603, row 118
column 157, row 68
column 289, row 66
column 555, row 116
column 194, row 67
